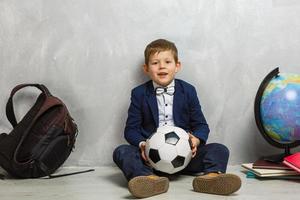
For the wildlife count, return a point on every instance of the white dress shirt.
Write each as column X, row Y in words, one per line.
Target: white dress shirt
column 165, row 106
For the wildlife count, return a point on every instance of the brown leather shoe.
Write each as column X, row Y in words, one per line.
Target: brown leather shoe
column 213, row 183
column 146, row 186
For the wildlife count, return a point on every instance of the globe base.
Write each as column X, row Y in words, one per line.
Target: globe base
column 278, row 158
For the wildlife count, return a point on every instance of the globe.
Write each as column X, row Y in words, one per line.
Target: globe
column 277, row 110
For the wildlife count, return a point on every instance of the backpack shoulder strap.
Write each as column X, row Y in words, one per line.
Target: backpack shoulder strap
column 9, row 106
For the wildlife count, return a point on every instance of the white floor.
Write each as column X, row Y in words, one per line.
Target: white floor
column 109, row 183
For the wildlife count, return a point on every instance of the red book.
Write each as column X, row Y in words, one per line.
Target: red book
column 293, row 161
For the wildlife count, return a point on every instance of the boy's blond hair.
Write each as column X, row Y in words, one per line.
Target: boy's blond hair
column 158, row 46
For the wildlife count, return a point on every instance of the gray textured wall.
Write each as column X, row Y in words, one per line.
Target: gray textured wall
column 90, row 52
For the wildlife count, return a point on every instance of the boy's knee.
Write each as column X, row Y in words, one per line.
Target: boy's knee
column 122, row 150
column 221, row 148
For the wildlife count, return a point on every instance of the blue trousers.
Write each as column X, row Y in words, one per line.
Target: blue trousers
column 209, row 158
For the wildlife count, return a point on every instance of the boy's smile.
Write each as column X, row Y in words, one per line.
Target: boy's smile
column 162, row 67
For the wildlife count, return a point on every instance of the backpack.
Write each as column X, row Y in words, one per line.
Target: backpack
column 42, row 141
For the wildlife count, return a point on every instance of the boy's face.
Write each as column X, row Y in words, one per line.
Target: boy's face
column 162, row 67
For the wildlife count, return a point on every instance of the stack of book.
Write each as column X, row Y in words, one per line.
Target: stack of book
column 288, row 169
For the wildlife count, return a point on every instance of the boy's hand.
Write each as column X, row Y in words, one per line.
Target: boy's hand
column 194, row 144
column 143, row 151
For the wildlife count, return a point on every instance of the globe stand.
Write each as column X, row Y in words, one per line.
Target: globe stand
column 278, row 158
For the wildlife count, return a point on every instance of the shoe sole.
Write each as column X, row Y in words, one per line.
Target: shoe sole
column 142, row 186
column 223, row 184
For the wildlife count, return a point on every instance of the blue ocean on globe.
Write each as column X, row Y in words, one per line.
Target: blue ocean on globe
column 280, row 108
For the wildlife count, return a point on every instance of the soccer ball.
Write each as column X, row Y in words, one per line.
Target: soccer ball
column 168, row 149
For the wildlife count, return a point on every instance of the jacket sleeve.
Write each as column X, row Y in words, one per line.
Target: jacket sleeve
column 133, row 132
column 198, row 124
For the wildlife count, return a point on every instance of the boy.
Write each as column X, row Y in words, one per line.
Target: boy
column 161, row 101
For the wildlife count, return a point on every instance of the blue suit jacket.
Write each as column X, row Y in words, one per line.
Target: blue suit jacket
column 142, row 118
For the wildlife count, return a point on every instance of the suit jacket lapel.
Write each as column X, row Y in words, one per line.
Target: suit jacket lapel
column 178, row 101
column 151, row 99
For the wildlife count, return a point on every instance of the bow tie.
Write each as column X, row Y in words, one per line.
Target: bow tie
column 166, row 90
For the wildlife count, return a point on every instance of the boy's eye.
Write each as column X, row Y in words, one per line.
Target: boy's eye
column 154, row 63
column 168, row 61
